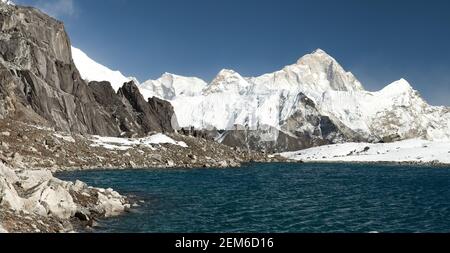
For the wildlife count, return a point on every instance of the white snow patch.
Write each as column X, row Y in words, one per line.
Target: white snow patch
column 162, row 139
column 414, row 150
column 66, row 138
column 114, row 143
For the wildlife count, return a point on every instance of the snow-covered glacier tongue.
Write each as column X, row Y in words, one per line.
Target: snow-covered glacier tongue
column 310, row 103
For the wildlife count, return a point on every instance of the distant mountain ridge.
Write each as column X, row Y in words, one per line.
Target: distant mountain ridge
column 309, row 103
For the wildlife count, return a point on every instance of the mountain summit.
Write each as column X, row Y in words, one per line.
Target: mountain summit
column 329, row 71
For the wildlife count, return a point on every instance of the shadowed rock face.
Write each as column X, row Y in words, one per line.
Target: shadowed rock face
column 154, row 115
column 131, row 112
column 106, row 96
column 165, row 114
column 40, row 83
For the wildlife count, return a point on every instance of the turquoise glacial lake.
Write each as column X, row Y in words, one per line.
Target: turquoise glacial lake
column 300, row 198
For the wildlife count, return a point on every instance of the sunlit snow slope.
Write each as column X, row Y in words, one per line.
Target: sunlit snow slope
column 413, row 150
column 93, row 71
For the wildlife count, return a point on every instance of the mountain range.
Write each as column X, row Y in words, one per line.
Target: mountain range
column 310, row 103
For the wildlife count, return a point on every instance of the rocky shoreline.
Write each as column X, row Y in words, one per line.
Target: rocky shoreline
column 33, row 200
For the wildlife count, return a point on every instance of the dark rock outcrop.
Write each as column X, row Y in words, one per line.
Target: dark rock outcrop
column 131, row 112
column 39, row 82
column 164, row 114
column 209, row 135
column 154, row 115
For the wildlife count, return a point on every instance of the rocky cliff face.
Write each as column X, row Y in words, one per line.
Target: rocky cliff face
column 40, row 83
column 134, row 115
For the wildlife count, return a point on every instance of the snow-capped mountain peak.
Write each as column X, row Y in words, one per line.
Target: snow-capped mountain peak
column 325, row 70
column 316, row 84
column 170, row 86
column 228, row 81
column 226, row 75
column 318, row 56
column 320, row 51
column 397, row 87
column 226, row 72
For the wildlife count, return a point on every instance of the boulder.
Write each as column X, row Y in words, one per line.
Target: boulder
column 2, row 230
column 110, row 205
column 223, row 164
column 83, row 215
column 8, row 194
column 38, row 192
column 79, row 186
column 170, row 163
column 156, row 157
column 133, row 165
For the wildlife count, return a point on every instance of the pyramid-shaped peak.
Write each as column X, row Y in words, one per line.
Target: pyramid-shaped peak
column 403, row 82
column 319, row 52
column 399, row 86
column 317, row 56
column 227, row 72
column 226, row 75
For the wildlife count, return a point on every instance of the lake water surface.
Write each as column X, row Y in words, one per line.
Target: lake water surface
column 280, row 198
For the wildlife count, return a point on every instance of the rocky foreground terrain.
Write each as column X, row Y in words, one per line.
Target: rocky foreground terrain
column 32, row 200
column 37, row 147
column 35, row 201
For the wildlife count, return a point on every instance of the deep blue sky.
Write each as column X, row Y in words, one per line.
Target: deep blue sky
column 380, row 41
